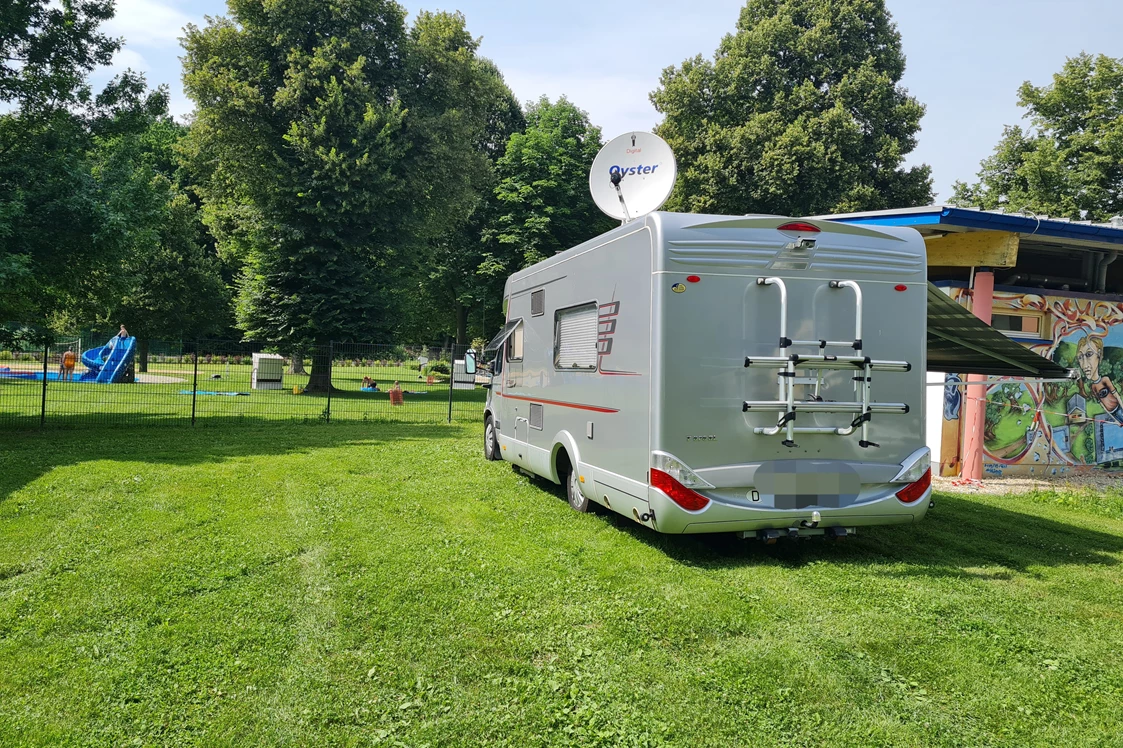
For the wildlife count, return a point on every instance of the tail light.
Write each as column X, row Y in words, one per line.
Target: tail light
column 912, row 492
column 800, row 226
column 917, row 473
column 671, row 476
column 678, row 493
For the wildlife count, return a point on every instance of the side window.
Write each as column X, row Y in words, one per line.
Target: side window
column 575, row 337
column 515, row 345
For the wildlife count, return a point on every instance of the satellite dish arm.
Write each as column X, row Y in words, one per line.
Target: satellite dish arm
column 615, row 178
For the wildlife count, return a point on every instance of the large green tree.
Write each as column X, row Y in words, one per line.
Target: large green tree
column 1069, row 162
column 333, row 141
column 48, row 48
column 800, row 112
column 543, row 202
column 171, row 284
column 451, row 286
column 71, row 204
column 53, row 209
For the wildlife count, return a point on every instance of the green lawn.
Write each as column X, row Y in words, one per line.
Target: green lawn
column 375, row 584
column 78, row 404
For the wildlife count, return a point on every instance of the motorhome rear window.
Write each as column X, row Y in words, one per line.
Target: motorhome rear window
column 575, row 337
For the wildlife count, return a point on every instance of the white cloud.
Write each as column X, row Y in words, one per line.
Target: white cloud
column 153, row 23
column 128, row 58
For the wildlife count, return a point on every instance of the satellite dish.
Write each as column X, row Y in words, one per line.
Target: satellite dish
column 632, row 175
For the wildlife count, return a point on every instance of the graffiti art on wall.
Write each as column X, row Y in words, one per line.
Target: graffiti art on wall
column 1054, row 426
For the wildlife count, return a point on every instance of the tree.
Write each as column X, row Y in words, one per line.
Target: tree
column 543, row 202
column 1069, row 163
column 49, row 201
column 451, row 279
column 172, row 284
column 48, row 48
column 800, row 112
column 333, row 141
column 175, row 287
column 69, row 207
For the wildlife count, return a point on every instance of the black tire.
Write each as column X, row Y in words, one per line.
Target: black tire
column 577, row 501
column 491, row 441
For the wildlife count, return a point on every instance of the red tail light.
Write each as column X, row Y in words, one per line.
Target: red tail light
column 800, row 226
column 912, row 492
column 690, row 500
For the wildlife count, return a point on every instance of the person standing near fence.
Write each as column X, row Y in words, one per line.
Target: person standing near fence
column 66, row 365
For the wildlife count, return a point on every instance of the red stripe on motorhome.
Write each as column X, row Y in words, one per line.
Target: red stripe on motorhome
column 578, row 406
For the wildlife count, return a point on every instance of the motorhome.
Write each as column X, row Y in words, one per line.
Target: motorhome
column 697, row 373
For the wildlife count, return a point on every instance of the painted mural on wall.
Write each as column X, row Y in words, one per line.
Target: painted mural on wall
column 1054, row 427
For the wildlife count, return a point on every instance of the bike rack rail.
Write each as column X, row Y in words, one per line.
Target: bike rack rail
column 790, row 362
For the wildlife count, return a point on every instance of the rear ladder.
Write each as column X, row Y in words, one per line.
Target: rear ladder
column 789, row 362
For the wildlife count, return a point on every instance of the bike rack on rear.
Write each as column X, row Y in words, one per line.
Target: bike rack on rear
column 789, row 362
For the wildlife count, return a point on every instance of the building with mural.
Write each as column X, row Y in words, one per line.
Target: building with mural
column 1053, row 286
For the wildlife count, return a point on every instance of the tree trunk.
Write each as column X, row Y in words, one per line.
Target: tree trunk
column 142, row 356
column 296, row 363
column 461, row 324
column 320, row 378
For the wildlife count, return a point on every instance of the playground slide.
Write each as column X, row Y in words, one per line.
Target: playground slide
column 109, row 366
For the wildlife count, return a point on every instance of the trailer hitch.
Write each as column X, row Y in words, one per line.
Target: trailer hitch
column 816, row 518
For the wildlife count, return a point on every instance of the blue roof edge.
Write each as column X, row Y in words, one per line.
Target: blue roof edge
column 981, row 219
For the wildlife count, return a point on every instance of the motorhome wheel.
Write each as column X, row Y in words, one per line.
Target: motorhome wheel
column 491, row 446
column 573, row 492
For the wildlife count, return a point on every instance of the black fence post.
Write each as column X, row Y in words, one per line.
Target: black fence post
column 195, row 382
column 43, row 405
column 331, row 376
column 451, row 381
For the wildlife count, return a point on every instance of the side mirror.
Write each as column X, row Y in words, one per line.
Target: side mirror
column 470, row 363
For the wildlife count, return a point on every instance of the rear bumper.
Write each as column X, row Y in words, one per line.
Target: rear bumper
column 879, row 509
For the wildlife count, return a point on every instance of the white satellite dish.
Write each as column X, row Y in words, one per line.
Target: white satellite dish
column 632, row 175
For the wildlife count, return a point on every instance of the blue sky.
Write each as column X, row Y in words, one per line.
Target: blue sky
column 965, row 59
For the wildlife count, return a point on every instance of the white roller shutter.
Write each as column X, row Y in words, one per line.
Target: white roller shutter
column 576, row 337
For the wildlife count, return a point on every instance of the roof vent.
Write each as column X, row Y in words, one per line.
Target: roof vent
column 1116, row 222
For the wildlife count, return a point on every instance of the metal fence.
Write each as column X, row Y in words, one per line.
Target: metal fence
column 209, row 383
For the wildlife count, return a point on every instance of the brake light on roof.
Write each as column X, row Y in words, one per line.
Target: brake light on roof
column 801, row 227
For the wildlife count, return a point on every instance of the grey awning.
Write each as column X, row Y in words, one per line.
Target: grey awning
column 498, row 341
column 961, row 343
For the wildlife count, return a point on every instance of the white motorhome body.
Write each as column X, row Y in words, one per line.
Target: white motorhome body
column 717, row 374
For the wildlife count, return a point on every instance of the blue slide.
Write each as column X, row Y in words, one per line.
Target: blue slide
column 109, row 363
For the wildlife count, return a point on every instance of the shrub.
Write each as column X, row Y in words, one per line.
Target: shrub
column 438, row 367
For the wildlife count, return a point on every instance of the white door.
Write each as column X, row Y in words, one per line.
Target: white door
column 516, row 409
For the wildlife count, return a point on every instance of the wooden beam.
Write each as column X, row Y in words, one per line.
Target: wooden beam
column 996, row 249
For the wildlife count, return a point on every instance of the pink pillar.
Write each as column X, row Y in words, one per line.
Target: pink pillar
column 975, row 406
